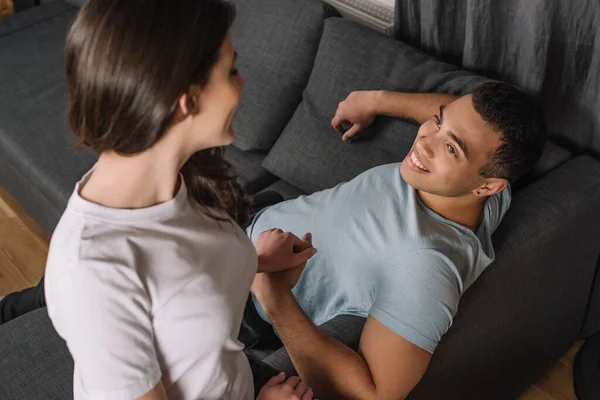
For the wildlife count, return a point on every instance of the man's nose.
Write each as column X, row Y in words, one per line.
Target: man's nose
column 425, row 146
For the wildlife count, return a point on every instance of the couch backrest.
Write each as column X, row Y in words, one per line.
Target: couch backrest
column 310, row 153
column 276, row 42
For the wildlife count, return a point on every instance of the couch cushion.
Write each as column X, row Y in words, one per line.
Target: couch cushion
column 553, row 156
column 310, row 153
column 276, row 41
column 252, row 176
column 36, row 146
column 287, row 190
column 77, row 3
column 34, row 361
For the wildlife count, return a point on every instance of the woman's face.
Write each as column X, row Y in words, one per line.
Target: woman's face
column 217, row 101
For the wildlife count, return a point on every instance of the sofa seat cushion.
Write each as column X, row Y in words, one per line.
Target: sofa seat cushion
column 39, row 165
column 310, row 153
column 276, row 42
column 252, row 176
column 35, row 363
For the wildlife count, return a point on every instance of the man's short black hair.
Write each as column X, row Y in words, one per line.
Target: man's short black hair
column 514, row 114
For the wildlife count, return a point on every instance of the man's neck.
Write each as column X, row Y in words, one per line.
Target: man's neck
column 464, row 210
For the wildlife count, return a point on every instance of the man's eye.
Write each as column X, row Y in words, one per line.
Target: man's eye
column 438, row 121
column 451, row 150
column 235, row 72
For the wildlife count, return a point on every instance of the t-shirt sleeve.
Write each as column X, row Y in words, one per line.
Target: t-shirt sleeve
column 418, row 297
column 103, row 313
column 497, row 205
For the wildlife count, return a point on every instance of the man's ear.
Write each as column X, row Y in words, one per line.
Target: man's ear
column 490, row 186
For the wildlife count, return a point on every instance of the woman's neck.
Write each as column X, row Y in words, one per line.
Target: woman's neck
column 132, row 182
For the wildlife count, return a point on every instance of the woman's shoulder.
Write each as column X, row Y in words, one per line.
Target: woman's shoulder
column 79, row 243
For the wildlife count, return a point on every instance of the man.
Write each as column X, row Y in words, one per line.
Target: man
column 400, row 243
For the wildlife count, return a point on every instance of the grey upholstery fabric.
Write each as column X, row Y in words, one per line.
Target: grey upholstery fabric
column 77, row 3
column 275, row 58
column 549, row 47
column 502, row 339
column 310, row 153
column 252, row 176
column 36, row 148
column 592, row 320
column 285, row 189
column 35, row 363
column 553, row 156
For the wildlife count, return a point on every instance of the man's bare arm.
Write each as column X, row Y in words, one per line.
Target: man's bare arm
column 359, row 109
column 386, row 367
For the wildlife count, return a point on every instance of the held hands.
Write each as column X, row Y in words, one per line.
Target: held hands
column 279, row 389
column 358, row 110
column 278, row 250
column 270, row 286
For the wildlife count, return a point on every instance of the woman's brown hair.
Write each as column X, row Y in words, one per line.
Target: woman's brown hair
column 128, row 62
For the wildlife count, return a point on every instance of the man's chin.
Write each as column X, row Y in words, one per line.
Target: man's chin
column 407, row 174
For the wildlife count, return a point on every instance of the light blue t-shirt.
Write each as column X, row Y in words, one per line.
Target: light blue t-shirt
column 382, row 252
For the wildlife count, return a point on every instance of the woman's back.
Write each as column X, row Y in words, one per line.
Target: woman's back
column 169, row 280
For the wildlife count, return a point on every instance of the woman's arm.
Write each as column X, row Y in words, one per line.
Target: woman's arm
column 278, row 250
column 158, row 393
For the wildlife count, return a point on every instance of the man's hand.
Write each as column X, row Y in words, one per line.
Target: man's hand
column 278, row 250
column 359, row 109
column 279, row 389
column 268, row 287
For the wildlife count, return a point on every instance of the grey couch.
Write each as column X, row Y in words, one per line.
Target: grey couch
column 299, row 60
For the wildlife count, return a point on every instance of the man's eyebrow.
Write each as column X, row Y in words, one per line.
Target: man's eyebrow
column 442, row 112
column 235, row 55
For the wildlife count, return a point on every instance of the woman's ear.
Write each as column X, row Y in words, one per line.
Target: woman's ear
column 183, row 103
column 490, row 186
column 189, row 102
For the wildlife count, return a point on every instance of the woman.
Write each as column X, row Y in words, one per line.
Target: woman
column 149, row 269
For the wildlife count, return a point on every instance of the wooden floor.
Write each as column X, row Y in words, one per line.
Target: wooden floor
column 6, row 8
column 24, row 247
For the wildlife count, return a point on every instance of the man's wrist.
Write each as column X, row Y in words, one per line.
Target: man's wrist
column 378, row 101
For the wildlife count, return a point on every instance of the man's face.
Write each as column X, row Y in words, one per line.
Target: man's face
column 450, row 149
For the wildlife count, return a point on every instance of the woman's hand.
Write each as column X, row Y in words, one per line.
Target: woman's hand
column 278, row 250
column 279, row 389
column 269, row 288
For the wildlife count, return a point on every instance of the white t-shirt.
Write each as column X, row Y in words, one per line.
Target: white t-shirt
column 149, row 294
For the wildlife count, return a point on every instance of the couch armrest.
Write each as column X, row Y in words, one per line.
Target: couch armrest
column 528, row 307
